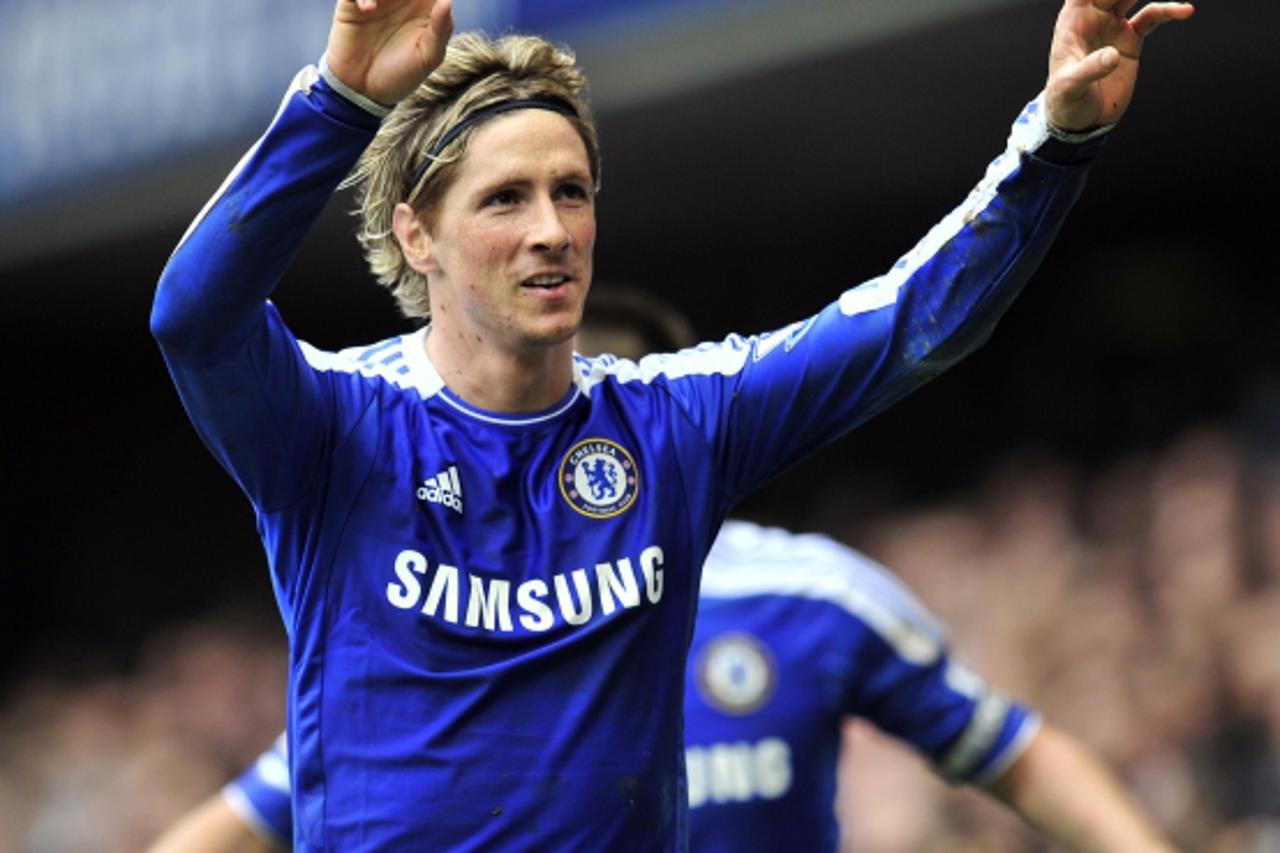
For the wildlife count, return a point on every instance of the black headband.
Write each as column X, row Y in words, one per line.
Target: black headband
column 541, row 102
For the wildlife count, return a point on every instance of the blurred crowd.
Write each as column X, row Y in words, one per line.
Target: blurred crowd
column 99, row 761
column 1136, row 606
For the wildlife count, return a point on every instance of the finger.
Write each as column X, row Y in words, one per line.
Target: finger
column 1123, row 7
column 1076, row 79
column 442, row 17
column 433, row 47
column 1155, row 14
column 1107, row 5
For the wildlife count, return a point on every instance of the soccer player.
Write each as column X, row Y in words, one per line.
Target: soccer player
column 795, row 634
column 485, row 551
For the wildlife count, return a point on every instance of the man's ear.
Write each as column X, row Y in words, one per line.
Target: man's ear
column 414, row 239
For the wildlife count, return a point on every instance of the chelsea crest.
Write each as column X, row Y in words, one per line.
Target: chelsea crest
column 736, row 673
column 599, row 478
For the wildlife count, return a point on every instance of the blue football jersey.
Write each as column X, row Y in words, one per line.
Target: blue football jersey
column 260, row 795
column 795, row 634
column 488, row 614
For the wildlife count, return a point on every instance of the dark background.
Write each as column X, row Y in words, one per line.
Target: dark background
column 749, row 203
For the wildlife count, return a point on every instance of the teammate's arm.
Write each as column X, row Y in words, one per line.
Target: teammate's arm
column 212, row 827
column 1062, row 789
column 252, row 814
column 919, row 692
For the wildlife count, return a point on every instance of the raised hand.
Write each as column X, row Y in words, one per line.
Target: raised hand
column 384, row 48
column 1093, row 61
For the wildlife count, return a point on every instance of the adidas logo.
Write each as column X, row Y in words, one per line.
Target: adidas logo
column 444, row 488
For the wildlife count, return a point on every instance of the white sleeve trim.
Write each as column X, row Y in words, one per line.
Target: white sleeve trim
column 1030, row 728
column 973, row 746
column 241, row 805
column 364, row 102
column 1075, row 137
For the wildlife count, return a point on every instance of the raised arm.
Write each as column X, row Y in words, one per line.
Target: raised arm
column 788, row 392
column 229, row 261
column 251, row 393
column 1061, row 788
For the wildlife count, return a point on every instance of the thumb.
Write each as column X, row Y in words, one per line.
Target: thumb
column 1076, row 79
column 435, row 42
column 442, row 17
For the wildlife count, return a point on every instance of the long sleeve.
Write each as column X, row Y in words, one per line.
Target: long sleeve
column 241, row 374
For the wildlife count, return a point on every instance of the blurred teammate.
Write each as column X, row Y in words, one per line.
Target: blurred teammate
column 485, row 552
column 795, row 634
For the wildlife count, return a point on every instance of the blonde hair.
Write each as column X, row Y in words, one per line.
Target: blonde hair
column 476, row 72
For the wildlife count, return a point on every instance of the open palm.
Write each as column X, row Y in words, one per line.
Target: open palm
column 1093, row 61
column 385, row 48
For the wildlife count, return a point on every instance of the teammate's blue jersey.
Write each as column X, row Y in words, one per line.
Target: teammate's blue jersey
column 261, row 795
column 489, row 613
column 796, row 634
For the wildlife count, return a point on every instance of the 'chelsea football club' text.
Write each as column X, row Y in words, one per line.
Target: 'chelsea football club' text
column 491, row 603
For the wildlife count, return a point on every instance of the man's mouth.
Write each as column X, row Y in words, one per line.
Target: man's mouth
column 546, row 281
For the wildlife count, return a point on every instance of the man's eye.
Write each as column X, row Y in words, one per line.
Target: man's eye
column 502, row 198
column 576, row 192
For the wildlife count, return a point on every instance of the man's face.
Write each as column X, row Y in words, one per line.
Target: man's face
column 511, row 239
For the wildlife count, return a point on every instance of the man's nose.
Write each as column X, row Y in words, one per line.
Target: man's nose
column 548, row 232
